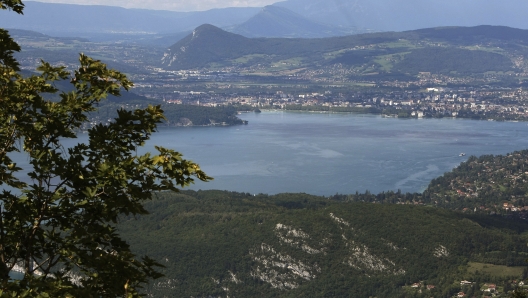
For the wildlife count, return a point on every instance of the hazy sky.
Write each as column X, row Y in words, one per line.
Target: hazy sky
column 177, row 5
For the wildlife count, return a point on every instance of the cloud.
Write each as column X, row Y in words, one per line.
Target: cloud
column 175, row 5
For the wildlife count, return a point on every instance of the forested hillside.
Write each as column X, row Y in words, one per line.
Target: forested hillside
column 446, row 50
column 176, row 114
column 446, row 60
column 484, row 184
column 216, row 243
column 489, row 184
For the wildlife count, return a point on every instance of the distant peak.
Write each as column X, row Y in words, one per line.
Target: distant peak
column 278, row 9
column 207, row 27
column 207, row 30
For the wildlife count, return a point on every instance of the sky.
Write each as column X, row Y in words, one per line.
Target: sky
column 175, row 5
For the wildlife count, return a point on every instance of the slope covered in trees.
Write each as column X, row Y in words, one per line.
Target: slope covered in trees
column 175, row 114
column 446, row 60
column 462, row 50
column 487, row 183
column 216, row 243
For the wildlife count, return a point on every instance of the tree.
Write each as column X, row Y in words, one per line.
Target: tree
column 57, row 222
column 518, row 293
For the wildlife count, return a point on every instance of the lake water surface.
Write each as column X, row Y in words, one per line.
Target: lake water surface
column 324, row 154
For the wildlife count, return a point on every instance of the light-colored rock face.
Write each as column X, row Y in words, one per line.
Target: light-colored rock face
column 280, row 270
column 362, row 259
column 339, row 220
column 441, row 251
column 169, row 57
column 234, row 278
column 392, row 245
column 298, row 238
column 294, row 257
column 167, row 283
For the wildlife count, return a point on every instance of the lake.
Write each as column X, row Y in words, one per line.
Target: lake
column 324, row 154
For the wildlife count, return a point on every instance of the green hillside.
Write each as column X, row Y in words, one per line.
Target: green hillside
column 484, row 184
column 455, row 50
column 219, row 244
column 176, row 114
column 446, row 60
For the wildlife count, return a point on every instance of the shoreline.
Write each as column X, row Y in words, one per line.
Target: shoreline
column 388, row 116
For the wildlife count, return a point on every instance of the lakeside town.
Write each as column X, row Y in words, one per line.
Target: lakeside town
column 290, row 85
column 484, row 103
column 415, row 99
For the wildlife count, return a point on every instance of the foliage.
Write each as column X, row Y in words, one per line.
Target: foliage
column 175, row 114
column 199, row 115
column 211, row 44
column 446, row 60
column 519, row 293
column 485, row 183
column 58, row 216
column 478, row 34
column 495, row 270
column 15, row 5
column 204, row 238
column 384, row 56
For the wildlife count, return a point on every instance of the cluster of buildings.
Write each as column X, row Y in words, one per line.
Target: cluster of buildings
column 485, row 103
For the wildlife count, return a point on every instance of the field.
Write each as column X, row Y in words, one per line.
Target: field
column 495, row 270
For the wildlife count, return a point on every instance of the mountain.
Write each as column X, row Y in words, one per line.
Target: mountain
column 275, row 21
column 87, row 20
column 392, row 244
column 219, row 243
column 207, row 44
column 21, row 35
column 400, row 15
column 437, row 50
column 291, row 18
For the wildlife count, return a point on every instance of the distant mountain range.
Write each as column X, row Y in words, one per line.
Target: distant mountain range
column 102, row 23
column 97, row 20
column 438, row 50
column 209, row 44
column 292, row 18
column 400, row 15
column 276, row 21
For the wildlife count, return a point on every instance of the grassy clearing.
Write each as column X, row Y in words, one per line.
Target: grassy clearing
column 402, row 43
column 288, row 63
column 247, row 58
column 485, row 49
column 386, row 61
column 495, row 270
column 335, row 54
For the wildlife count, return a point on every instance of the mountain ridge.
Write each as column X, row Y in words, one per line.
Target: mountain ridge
column 209, row 45
column 87, row 20
column 275, row 21
column 401, row 15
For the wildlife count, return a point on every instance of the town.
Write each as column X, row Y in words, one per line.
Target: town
column 290, row 85
column 406, row 99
